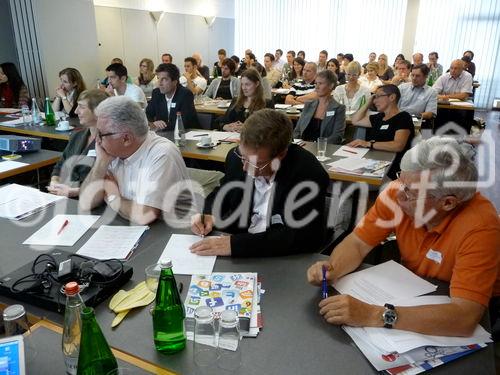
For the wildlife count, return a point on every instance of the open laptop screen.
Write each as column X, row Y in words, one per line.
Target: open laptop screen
column 12, row 356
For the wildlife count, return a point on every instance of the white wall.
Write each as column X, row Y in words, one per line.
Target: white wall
column 133, row 34
column 68, row 38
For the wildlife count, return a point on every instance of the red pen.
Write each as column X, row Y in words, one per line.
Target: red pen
column 64, row 225
column 352, row 152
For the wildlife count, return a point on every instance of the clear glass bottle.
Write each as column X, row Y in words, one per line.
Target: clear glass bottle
column 168, row 313
column 205, row 342
column 72, row 328
column 36, row 117
column 229, row 350
column 179, row 131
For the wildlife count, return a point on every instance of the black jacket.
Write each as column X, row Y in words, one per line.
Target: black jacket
column 280, row 238
column 184, row 103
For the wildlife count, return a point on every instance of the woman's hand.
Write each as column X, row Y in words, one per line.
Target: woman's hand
column 359, row 143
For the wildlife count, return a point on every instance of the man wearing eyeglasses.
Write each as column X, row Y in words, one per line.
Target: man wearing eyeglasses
column 137, row 173
column 444, row 230
column 271, row 199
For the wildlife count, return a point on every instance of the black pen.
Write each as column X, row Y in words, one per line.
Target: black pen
column 203, row 223
column 200, row 135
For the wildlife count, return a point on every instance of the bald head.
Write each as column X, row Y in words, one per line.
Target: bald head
column 309, row 71
column 456, row 68
column 197, row 57
column 418, row 58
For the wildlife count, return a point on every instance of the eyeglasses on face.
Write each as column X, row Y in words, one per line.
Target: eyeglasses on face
column 102, row 135
column 376, row 96
column 244, row 161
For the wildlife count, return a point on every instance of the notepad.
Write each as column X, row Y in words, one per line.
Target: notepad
column 113, row 242
column 52, row 235
column 217, row 136
column 9, row 165
column 351, row 152
column 184, row 262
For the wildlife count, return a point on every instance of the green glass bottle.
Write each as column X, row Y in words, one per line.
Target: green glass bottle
column 430, row 80
column 50, row 116
column 95, row 356
column 168, row 313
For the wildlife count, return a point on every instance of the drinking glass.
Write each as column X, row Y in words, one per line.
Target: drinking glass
column 229, row 348
column 322, row 142
column 205, row 342
column 152, row 276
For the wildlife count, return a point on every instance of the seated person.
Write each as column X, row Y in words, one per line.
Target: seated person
column 385, row 72
column 400, row 57
column 302, row 55
column 135, row 169
column 334, row 66
column 13, row 91
column 236, row 60
column 322, row 117
column 402, row 73
column 146, row 80
column 68, row 91
column 192, row 79
column 222, row 55
column 79, row 155
column 295, row 74
column 436, row 69
column 202, row 69
column 278, row 62
column 250, row 99
column 371, row 58
column 272, row 74
column 117, row 85
column 352, row 93
column 451, row 233
column 391, row 129
column 470, row 67
column 370, row 79
column 418, row 58
column 226, row 86
column 167, row 58
column 286, row 71
column 417, row 98
column 322, row 59
column 268, row 94
column 266, row 168
column 168, row 99
column 304, row 91
column 105, row 82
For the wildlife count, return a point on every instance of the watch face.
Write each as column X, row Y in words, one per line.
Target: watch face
column 390, row 317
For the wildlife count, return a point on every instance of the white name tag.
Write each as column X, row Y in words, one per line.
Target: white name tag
column 435, row 256
column 92, row 153
column 172, row 105
column 330, row 113
column 276, row 219
column 384, row 127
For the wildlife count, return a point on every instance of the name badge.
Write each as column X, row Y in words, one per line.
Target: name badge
column 435, row 256
column 276, row 219
column 384, row 127
column 92, row 153
column 330, row 113
column 172, row 105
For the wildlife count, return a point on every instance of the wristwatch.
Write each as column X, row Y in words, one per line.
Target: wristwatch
column 371, row 143
column 389, row 317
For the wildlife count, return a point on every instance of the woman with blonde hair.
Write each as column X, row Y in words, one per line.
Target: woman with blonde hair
column 370, row 79
column 68, row 91
column 351, row 94
column 146, row 80
column 250, row 99
column 385, row 72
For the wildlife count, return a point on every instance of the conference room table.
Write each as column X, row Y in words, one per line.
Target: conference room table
column 295, row 339
column 34, row 160
column 216, row 108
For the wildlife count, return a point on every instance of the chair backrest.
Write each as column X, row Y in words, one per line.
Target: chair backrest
column 205, row 120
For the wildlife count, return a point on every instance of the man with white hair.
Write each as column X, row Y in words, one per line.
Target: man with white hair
column 136, row 172
column 444, row 229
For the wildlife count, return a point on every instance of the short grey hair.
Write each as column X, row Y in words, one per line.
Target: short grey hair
column 124, row 114
column 313, row 65
column 449, row 164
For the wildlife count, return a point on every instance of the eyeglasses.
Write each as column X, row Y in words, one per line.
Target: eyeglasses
column 406, row 190
column 102, row 135
column 380, row 95
column 246, row 161
column 352, row 75
column 143, row 66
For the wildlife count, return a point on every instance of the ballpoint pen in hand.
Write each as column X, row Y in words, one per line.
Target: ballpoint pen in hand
column 324, row 285
column 203, row 223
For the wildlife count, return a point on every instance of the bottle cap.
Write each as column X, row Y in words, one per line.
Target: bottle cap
column 166, row 263
column 13, row 312
column 71, row 288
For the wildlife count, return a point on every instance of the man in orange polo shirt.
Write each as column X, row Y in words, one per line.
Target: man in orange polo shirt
column 444, row 229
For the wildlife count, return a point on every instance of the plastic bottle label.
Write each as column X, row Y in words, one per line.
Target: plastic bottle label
column 71, row 365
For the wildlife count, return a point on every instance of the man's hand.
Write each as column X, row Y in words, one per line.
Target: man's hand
column 199, row 228
column 62, row 190
column 290, row 99
column 213, row 246
column 101, row 155
column 157, row 125
column 442, row 97
column 344, row 309
column 110, row 90
column 315, row 273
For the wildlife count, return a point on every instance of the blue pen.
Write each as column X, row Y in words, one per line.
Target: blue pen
column 324, row 285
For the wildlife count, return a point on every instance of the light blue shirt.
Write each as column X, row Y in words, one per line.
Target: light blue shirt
column 416, row 100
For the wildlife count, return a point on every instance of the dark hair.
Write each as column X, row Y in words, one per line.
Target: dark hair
column 349, row 56
column 260, row 68
column 423, row 68
column 171, row 69
column 298, row 60
column 119, row 69
column 401, row 56
column 391, row 89
column 340, row 54
column 251, row 56
column 230, row 64
column 324, row 52
column 301, row 53
column 292, row 52
column 267, row 128
column 472, row 54
column 74, row 77
column 222, row 51
column 116, row 60
column 407, row 63
column 330, row 76
column 270, row 55
column 192, row 60
column 335, row 62
column 466, row 59
column 236, row 59
column 168, row 54
column 435, row 54
column 280, row 51
column 13, row 78
column 258, row 101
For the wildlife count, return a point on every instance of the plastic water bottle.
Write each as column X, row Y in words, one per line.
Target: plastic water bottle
column 229, row 349
column 168, row 313
column 205, row 343
column 72, row 327
column 36, row 117
column 179, row 131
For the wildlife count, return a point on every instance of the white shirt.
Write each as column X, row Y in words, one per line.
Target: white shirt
column 370, row 84
column 169, row 102
column 351, row 104
column 261, row 197
column 146, row 176
column 446, row 84
column 135, row 93
column 278, row 64
column 198, row 81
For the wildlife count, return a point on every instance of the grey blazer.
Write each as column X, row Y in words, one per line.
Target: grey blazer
column 332, row 126
column 234, row 87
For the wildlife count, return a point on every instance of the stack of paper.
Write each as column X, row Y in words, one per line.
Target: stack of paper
column 18, row 202
column 217, row 136
column 360, row 166
column 395, row 350
column 10, row 164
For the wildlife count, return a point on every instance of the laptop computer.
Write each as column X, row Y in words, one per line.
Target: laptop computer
column 12, row 360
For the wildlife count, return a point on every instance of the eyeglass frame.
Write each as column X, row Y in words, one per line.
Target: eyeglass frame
column 101, row 136
column 405, row 190
column 246, row 161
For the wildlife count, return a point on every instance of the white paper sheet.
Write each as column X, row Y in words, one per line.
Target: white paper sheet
column 383, row 283
column 351, row 152
column 9, row 165
column 350, row 164
column 113, row 242
column 196, row 135
column 18, row 202
column 282, row 106
column 184, row 262
column 9, row 110
column 13, row 123
column 72, row 232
